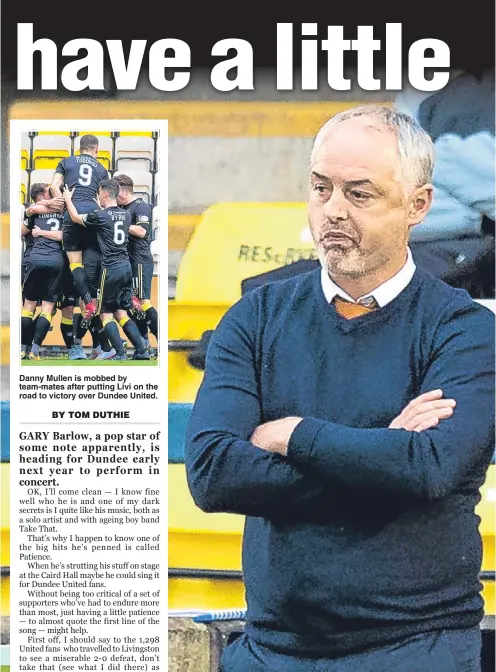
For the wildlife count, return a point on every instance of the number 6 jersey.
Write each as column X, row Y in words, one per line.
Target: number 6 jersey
column 112, row 227
column 84, row 173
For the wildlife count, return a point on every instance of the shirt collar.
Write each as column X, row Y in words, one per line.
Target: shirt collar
column 383, row 294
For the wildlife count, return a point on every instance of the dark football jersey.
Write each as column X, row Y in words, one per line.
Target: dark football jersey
column 141, row 215
column 45, row 248
column 84, row 173
column 28, row 244
column 91, row 240
column 112, row 226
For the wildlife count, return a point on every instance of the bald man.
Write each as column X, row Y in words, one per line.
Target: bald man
column 348, row 413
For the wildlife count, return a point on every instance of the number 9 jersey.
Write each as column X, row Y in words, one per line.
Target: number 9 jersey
column 84, row 173
column 112, row 227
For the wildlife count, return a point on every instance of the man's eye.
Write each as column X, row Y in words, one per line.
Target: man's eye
column 360, row 195
column 320, row 188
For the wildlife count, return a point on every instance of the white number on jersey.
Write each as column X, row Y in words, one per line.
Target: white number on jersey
column 119, row 233
column 54, row 224
column 85, row 173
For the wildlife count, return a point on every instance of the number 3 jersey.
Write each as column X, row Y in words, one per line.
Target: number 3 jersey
column 84, row 173
column 44, row 248
column 112, row 227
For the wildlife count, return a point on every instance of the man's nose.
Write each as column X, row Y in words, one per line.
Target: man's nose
column 336, row 207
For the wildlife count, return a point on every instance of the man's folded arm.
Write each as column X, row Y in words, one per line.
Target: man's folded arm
column 428, row 464
column 225, row 471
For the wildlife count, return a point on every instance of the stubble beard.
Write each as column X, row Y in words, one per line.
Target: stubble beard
column 342, row 262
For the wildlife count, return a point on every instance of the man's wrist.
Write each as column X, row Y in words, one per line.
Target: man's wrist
column 302, row 438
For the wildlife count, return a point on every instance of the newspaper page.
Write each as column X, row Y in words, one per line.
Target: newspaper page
column 99, row 95
column 88, row 433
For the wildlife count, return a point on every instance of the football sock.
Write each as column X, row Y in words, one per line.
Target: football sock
column 42, row 328
column 80, row 330
column 132, row 332
column 66, row 328
column 112, row 331
column 151, row 318
column 81, row 281
column 26, row 328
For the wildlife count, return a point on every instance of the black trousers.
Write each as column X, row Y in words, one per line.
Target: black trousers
column 439, row 651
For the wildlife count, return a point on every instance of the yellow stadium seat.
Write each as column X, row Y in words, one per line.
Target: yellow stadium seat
column 24, row 186
column 48, row 150
column 53, row 133
column 104, row 149
column 134, row 152
column 97, row 133
column 147, row 134
column 231, row 242
column 25, row 150
column 235, row 241
column 142, row 182
column 201, row 541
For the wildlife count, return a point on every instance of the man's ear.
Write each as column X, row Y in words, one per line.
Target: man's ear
column 419, row 204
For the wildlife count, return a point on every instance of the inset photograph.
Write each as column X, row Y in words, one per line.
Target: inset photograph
column 89, row 274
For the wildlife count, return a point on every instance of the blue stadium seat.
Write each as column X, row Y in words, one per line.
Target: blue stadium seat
column 5, row 430
column 178, row 421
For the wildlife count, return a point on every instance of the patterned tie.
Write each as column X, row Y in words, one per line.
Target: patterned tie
column 351, row 310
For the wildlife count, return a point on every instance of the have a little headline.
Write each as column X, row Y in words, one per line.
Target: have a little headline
column 169, row 61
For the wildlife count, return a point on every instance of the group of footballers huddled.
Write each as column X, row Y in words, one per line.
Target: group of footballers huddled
column 87, row 239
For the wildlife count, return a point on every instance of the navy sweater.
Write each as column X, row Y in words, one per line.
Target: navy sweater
column 362, row 534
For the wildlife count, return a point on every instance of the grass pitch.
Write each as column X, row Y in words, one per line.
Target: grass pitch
column 56, row 361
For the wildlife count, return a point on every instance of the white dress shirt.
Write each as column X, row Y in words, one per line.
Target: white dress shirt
column 383, row 294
